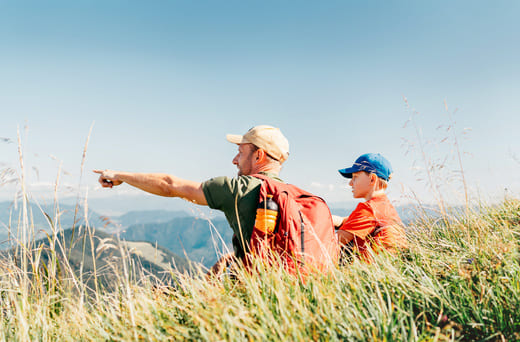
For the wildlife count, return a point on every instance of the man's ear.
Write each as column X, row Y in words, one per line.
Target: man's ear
column 260, row 155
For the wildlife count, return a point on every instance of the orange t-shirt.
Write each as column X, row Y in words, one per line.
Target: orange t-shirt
column 378, row 213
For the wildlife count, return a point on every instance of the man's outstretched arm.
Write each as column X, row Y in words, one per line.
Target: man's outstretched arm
column 155, row 183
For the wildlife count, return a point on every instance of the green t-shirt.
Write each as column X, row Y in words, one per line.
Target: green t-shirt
column 238, row 199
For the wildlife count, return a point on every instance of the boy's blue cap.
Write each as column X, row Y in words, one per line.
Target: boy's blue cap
column 370, row 162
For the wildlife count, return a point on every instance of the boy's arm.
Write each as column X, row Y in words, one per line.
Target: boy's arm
column 344, row 237
column 155, row 183
column 360, row 223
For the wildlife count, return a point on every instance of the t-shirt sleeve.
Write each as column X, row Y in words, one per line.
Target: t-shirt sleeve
column 219, row 192
column 361, row 222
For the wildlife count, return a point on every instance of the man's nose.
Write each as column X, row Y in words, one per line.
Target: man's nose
column 235, row 160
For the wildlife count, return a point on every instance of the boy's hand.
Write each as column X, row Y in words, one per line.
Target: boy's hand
column 337, row 220
column 108, row 178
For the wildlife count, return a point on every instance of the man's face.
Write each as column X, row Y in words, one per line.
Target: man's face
column 244, row 160
column 361, row 184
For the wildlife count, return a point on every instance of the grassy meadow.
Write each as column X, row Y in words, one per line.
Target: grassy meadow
column 459, row 280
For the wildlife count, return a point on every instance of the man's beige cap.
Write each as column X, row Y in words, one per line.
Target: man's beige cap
column 268, row 138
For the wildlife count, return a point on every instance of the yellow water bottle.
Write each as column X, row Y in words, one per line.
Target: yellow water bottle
column 266, row 215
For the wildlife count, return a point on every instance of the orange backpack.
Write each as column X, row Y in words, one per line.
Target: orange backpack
column 303, row 237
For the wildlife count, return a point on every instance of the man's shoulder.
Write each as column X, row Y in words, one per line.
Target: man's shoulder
column 221, row 192
column 271, row 175
column 242, row 180
column 230, row 185
column 232, row 180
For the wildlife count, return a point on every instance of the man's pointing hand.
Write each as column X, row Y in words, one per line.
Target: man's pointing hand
column 108, row 178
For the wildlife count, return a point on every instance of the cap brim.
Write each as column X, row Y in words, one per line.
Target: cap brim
column 347, row 173
column 234, row 138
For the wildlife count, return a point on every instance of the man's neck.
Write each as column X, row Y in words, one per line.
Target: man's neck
column 269, row 168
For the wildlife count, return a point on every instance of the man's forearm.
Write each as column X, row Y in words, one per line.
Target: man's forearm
column 154, row 183
column 158, row 184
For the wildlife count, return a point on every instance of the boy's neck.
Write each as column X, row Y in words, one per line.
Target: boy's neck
column 374, row 193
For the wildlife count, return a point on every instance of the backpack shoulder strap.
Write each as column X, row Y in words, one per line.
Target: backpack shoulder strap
column 265, row 177
column 291, row 189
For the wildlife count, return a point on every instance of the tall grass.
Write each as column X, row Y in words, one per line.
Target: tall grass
column 458, row 280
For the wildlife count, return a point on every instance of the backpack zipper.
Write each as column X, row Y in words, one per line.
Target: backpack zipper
column 302, row 236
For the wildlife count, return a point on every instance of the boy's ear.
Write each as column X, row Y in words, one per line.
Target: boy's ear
column 373, row 178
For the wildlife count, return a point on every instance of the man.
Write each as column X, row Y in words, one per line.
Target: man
column 263, row 149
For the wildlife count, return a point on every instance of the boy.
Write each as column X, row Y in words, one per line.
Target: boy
column 375, row 222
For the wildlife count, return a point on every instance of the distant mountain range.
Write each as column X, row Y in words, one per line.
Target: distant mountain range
column 148, row 216
column 197, row 239
column 42, row 218
column 407, row 213
column 200, row 240
column 81, row 250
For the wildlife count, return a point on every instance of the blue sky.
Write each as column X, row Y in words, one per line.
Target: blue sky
column 162, row 82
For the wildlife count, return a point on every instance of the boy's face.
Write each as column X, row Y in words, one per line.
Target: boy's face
column 362, row 184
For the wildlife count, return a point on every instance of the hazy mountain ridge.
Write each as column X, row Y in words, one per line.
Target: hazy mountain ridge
column 193, row 236
column 407, row 213
column 83, row 250
column 202, row 240
column 183, row 234
column 147, row 216
column 42, row 217
column 198, row 239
